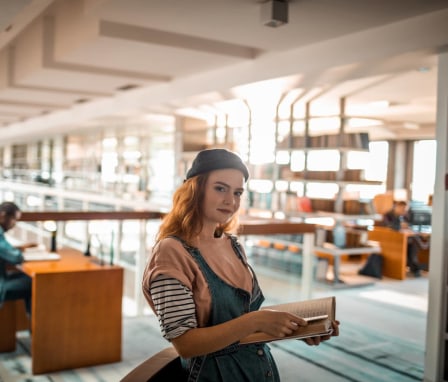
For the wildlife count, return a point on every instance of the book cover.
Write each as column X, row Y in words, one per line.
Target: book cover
column 322, row 312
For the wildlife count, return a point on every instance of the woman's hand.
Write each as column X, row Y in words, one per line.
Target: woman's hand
column 195, row 342
column 276, row 323
column 314, row 341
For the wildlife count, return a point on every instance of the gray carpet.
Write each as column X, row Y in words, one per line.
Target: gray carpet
column 358, row 354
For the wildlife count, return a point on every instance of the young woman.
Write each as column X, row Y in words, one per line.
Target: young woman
column 200, row 285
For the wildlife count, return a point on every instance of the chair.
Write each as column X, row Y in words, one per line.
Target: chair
column 394, row 250
column 13, row 318
column 161, row 367
column 8, row 326
column 383, row 203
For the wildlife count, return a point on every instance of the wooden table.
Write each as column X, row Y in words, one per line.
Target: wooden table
column 336, row 252
column 76, row 312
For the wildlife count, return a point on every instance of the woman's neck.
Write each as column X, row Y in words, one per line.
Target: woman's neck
column 207, row 235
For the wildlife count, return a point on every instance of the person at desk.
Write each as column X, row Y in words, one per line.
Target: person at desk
column 200, row 285
column 398, row 219
column 14, row 285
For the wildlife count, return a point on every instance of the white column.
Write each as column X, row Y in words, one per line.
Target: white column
column 141, row 258
column 399, row 167
column 307, row 265
column 436, row 332
column 58, row 159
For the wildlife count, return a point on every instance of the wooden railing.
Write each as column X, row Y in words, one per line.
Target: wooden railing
column 272, row 227
column 89, row 215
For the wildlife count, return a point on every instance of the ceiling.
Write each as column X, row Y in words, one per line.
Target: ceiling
column 74, row 65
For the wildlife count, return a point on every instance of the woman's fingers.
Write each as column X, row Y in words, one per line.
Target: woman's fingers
column 280, row 323
column 314, row 341
column 335, row 324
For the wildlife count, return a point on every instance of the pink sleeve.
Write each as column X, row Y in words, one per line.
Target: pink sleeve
column 171, row 259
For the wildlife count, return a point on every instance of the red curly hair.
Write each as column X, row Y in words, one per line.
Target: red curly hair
column 185, row 218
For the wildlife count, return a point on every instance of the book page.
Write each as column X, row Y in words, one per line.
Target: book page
column 305, row 309
column 308, row 308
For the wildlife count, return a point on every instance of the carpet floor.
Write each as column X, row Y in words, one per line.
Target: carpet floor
column 373, row 346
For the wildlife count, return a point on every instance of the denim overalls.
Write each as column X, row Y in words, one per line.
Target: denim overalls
column 235, row 363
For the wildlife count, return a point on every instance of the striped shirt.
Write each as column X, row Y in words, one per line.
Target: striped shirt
column 174, row 305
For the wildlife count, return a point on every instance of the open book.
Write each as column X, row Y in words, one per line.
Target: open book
column 319, row 313
column 39, row 253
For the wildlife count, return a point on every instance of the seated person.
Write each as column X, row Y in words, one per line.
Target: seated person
column 398, row 219
column 14, row 285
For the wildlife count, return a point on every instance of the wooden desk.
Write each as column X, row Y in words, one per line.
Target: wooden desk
column 76, row 312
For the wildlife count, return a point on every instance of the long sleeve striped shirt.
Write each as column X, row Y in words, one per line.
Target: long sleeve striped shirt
column 174, row 305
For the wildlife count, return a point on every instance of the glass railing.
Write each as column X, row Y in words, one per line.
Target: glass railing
column 121, row 232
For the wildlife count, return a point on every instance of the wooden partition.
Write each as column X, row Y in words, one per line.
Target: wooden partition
column 394, row 250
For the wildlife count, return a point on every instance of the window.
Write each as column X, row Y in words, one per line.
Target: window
column 323, row 160
column 376, row 164
column 424, row 170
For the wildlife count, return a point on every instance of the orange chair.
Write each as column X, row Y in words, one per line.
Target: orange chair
column 383, row 203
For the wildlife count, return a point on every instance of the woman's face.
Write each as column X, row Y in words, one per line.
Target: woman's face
column 223, row 191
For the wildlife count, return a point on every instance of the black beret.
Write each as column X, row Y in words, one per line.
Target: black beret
column 216, row 159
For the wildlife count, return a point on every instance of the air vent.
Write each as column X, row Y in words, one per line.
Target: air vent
column 127, row 87
column 81, row 100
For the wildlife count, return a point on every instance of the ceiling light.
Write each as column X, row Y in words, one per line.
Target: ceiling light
column 363, row 122
column 381, row 104
column 411, row 125
column 274, row 13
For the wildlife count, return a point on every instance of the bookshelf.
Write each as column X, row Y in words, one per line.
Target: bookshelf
column 343, row 177
column 341, row 142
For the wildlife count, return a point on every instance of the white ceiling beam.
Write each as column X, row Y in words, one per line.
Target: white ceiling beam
column 175, row 40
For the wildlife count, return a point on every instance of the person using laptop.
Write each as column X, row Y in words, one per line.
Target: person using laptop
column 14, row 285
column 398, row 219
